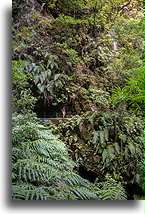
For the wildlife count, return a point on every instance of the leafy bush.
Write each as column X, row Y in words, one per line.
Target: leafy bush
column 23, row 100
column 107, row 143
column 132, row 94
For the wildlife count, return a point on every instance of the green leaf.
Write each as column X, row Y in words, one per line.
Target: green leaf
column 131, row 148
column 95, row 137
column 40, row 87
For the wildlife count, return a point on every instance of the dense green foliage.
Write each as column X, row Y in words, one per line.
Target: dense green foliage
column 107, row 143
column 22, row 95
column 42, row 169
column 86, row 55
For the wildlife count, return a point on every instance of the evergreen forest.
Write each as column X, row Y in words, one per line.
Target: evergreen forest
column 77, row 100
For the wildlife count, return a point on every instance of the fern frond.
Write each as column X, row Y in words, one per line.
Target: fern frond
column 43, row 170
column 84, row 194
column 26, row 191
column 117, row 147
column 111, row 190
column 95, row 137
column 131, row 148
column 33, row 171
column 73, row 179
column 102, row 138
column 106, row 134
column 92, row 117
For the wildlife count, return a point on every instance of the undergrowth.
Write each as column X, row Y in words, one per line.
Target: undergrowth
column 42, row 169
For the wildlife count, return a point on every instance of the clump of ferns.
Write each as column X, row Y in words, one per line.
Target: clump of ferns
column 111, row 190
column 42, row 169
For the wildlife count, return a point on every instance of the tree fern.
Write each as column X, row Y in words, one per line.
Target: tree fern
column 42, row 169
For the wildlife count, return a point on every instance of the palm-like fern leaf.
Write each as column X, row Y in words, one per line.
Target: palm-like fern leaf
column 42, row 169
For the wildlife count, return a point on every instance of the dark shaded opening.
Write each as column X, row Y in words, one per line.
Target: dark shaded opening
column 87, row 174
column 47, row 111
column 133, row 189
